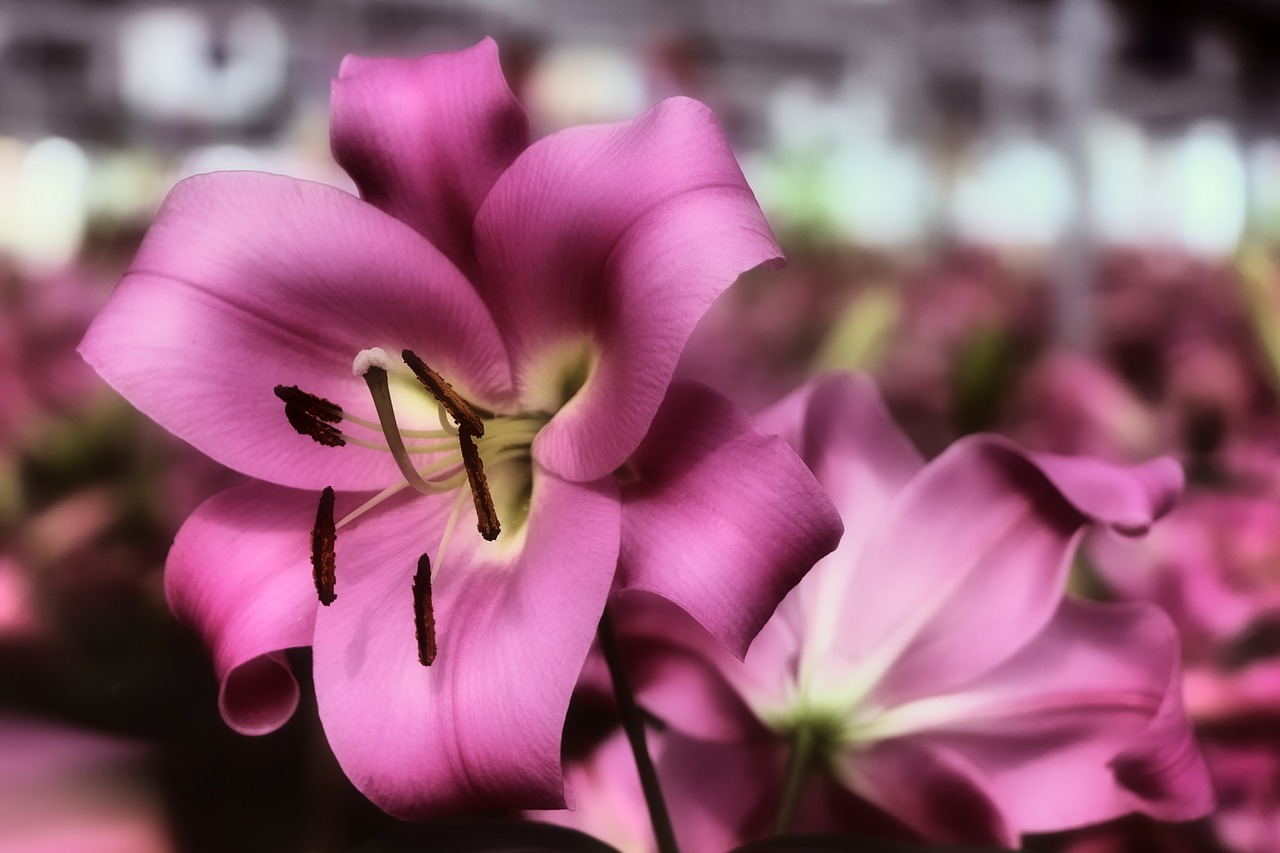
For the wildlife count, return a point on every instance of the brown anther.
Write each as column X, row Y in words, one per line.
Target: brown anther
column 486, row 515
column 324, row 537
column 424, row 617
column 311, row 416
column 455, row 405
column 317, row 406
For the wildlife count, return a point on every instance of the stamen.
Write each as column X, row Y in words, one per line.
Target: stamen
column 424, row 617
column 311, row 416
column 390, row 491
column 323, row 409
column 486, row 514
column 375, row 376
column 323, row 540
column 449, row 525
column 455, row 405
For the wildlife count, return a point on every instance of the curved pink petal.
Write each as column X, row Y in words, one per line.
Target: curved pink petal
column 607, row 801
column 480, row 728
column 683, row 675
column 840, row 427
column 246, row 281
column 971, row 561
column 1085, row 724
column 239, row 574
column 1126, row 499
column 620, row 236
column 930, row 788
column 719, row 795
column 424, row 139
column 740, row 517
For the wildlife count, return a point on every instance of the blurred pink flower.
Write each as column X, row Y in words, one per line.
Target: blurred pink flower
column 18, row 615
column 932, row 663
column 67, row 791
column 1246, row 774
column 554, row 285
column 1214, row 566
column 1067, row 403
column 41, row 319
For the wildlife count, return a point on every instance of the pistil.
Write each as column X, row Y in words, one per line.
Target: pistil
column 372, row 365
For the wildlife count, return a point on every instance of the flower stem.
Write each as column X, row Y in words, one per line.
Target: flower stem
column 797, row 769
column 633, row 724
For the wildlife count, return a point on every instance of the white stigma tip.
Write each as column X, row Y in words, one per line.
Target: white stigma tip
column 367, row 359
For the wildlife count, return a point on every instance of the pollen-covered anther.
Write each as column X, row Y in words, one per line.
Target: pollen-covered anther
column 311, row 416
column 454, row 404
column 486, row 514
column 424, row 617
column 324, row 539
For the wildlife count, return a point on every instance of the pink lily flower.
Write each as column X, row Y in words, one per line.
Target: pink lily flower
column 931, row 666
column 492, row 327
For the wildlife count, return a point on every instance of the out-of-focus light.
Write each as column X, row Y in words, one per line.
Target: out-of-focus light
column 880, row 194
column 220, row 158
column 833, row 170
column 1119, row 176
column 124, row 186
column 580, row 84
column 12, row 151
column 1263, row 164
column 43, row 208
column 1208, row 190
column 804, row 119
column 286, row 159
column 176, row 66
column 1018, row 194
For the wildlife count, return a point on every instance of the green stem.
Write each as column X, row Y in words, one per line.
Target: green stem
column 797, row 769
column 633, row 724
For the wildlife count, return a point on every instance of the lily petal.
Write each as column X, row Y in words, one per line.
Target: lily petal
column 683, row 675
column 239, row 573
column 718, row 795
column 479, row 728
column 616, row 237
column 840, row 427
column 931, row 789
column 971, row 562
column 246, row 281
column 742, row 518
column 1128, row 503
column 424, row 139
column 1101, row 683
